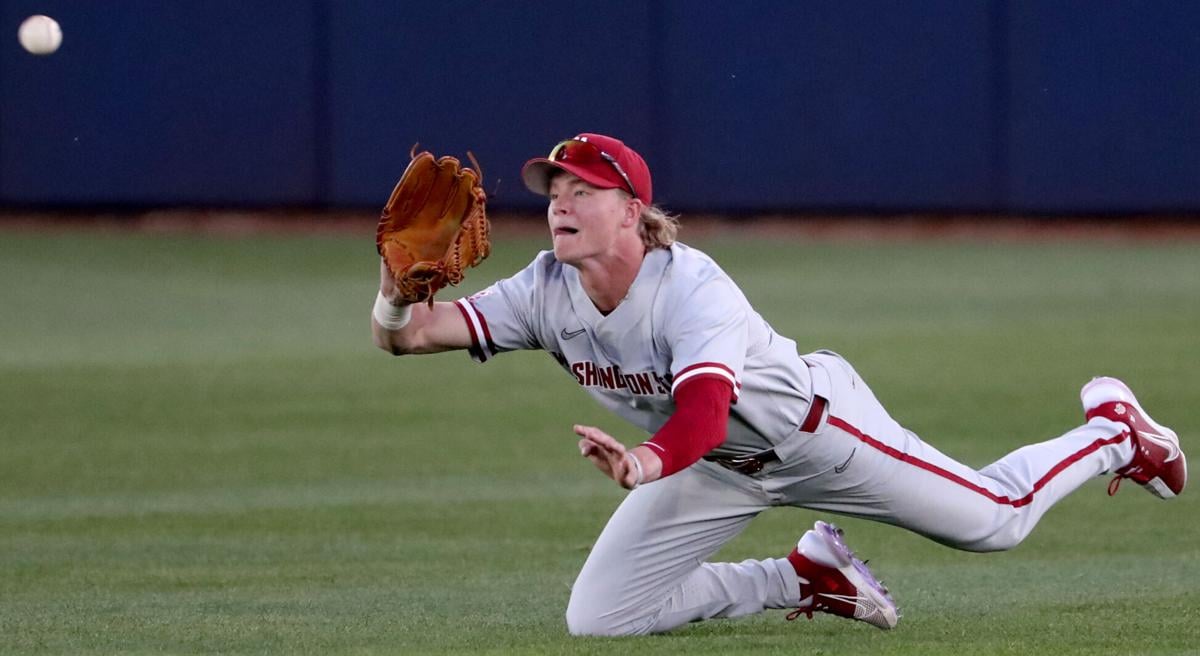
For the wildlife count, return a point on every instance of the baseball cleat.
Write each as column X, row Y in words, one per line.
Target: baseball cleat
column 833, row 581
column 1158, row 462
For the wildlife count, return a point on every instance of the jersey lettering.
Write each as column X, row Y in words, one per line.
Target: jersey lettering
column 642, row 383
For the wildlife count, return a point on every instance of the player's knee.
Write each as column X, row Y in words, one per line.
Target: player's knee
column 1001, row 540
column 993, row 544
column 590, row 624
column 586, row 618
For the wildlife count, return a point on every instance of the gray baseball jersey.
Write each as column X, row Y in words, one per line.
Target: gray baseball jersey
column 683, row 317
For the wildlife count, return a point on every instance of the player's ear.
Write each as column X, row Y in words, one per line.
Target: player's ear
column 633, row 212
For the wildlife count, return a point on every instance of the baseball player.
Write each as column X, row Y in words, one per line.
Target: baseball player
column 737, row 420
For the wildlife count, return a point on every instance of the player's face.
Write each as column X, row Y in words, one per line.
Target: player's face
column 587, row 222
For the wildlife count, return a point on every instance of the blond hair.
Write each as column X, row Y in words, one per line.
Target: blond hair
column 657, row 228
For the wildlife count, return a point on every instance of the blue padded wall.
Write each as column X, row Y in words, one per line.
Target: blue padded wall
column 756, row 106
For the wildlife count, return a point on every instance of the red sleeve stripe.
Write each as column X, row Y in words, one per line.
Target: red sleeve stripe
column 487, row 334
column 707, row 369
column 686, row 371
column 476, row 352
column 481, row 349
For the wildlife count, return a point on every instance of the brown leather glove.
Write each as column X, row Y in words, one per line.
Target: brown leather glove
column 433, row 227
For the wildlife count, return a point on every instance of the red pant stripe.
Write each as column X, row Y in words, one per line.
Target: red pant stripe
column 959, row 480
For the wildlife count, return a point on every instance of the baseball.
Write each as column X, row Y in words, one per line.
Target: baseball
column 40, row 35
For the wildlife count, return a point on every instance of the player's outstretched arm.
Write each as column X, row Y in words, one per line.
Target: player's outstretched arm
column 427, row 329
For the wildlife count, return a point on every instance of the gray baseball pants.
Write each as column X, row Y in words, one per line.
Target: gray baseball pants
column 647, row 572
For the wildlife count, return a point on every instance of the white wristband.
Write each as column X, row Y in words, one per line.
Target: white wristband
column 389, row 316
column 637, row 464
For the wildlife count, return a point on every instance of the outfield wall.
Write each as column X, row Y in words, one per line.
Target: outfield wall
column 994, row 106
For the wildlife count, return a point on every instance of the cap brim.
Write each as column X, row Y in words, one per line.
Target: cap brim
column 536, row 175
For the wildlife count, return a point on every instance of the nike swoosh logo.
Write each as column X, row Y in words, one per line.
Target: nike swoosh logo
column 571, row 335
column 855, row 599
column 842, row 467
column 1165, row 442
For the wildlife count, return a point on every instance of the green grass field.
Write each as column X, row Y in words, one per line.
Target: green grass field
column 203, row 452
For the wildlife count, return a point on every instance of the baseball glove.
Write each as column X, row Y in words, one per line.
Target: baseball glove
column 433, row 227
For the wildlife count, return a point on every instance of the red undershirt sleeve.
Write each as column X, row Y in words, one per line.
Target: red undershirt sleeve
column 698, row 425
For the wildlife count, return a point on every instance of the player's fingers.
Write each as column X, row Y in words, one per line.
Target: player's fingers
column 604, row 439
column 588, row 448
column 585, row 433
column 605, row 451
column 609, row 449
column 596, row 436
column 616, row 462
column 601, row 463
column 387, row 285
column 608, row 457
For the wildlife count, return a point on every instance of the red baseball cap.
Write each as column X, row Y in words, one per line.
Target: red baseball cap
column 599, row 160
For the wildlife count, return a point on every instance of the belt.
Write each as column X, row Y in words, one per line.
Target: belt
column 752, row 464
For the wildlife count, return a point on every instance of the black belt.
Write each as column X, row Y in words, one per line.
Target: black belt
column 752, row 464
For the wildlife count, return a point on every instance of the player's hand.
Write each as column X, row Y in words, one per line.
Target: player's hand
column 387, row 285
column 609, row 456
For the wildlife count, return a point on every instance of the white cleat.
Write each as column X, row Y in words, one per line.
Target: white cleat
column 1158, row 462
column 834, row 581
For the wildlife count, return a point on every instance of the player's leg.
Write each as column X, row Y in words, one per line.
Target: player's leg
column 646, row 573
column 861, row 462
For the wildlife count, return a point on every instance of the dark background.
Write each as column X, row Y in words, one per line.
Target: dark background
column 1059, row 107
